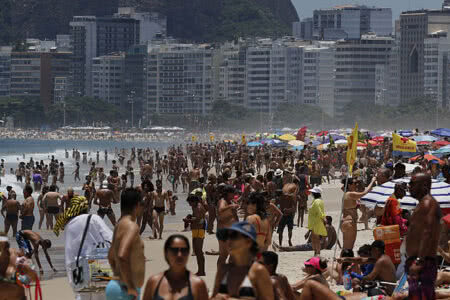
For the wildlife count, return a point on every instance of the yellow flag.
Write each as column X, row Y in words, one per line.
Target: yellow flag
column 243, row 139
column 352, row 142
column 403, row 144
column 194, row 138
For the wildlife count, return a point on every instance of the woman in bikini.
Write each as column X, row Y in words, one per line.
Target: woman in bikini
column 243, row 277
column 176, row 282
column 257, row 216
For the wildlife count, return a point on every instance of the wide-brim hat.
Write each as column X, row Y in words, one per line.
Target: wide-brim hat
column 244, row 228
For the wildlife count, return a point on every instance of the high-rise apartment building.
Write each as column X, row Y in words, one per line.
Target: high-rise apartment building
column 415, row 27
column 108, row 78
column 5, row 70
column 351, row 21
column 179, row 79
column 356, row 62
column 33, row 74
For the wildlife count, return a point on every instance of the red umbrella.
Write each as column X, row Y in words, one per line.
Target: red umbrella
column 423, row 143
column 378, row 139
column 427, row 157
column 442, row 143
column 322, row 133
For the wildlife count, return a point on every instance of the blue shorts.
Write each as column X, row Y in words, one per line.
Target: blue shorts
column 23, row 243
column 27, row 223
column 115, row 290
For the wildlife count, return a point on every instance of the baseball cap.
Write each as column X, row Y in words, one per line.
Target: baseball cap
column 244, row 228
column 316, row 190
column 315, row 263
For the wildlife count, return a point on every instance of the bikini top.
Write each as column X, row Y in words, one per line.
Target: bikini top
column 245, row 290
column 259, row 228
column 189, row 296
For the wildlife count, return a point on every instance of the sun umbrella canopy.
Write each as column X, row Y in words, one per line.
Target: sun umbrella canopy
column 424, row 138
column 427, row 157
column 296, row 143
column 406, row 133
column 321, row 133
column 442, row 143
column 287, row 137
column 378, row 138
column 379, row 194
column 254, row 144
column 299, row 147
column 441, row 132
column 322, row 147
column 340, row 142
column 442, row 151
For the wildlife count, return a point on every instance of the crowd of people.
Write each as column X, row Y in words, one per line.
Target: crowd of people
column 252, row 194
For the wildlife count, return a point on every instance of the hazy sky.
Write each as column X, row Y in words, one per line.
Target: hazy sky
column 306, row 7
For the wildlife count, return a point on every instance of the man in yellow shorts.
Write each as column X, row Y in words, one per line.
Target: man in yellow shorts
column 198, row 226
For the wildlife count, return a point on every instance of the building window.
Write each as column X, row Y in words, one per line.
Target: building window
column 414, row 61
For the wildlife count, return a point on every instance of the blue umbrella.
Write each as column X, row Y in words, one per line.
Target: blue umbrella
column 442, row 132
column 406, row 133
column 425, row 138
column 442, row 151
column 254, row 144
column 299, row 148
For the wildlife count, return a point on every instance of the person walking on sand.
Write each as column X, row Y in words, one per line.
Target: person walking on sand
column 198, row 226
column 317, row 220
column 126, row 255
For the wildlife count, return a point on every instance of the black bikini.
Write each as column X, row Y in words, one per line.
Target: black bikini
column 245, row 290
column 189, row 296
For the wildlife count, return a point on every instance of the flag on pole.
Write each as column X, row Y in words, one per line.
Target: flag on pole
column 402, row 146
column 352, row 142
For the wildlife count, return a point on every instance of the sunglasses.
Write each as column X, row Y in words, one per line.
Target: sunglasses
column 175, row 250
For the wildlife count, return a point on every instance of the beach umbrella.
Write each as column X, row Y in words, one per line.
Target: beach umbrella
column 378, row 139
column 424, row 138
column 406, row 133
column 379, row 194
column 321, row 133
column 296, row 143
column 287, row 137
column 423, row 143
column 442, row 151
column 442, row 132
column 427, row 157
column 299, row 147
column 441, row 143
column 254, row 144
column 341, row 142
column 322, row 147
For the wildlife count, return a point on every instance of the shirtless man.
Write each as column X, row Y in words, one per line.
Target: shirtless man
column 149, row 215
column 30, row 241
column 194, row 179
column 287, row 203
column 422, row 239
column 126, row 255
column 161, row 199
column 227, row 215
column 88, row 190
column 211, row 198
column 103, row 198
column 198, row 231
column 52, row 204
column 27, row 215
column 12, row 207
column 350, row 214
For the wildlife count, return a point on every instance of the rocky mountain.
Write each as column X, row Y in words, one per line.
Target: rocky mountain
column 196, row 20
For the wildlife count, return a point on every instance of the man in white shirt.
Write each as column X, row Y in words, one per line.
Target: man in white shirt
column 73, row 222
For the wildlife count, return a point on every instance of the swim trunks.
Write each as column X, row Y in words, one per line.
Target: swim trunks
column 23, row 243
column 116, row 290
column 286, row 221
column 198, row 233
column 422, row 287
column 54, row 210
column 105, row 211
column 27, row 223
column 12, row 218
column 159, row 209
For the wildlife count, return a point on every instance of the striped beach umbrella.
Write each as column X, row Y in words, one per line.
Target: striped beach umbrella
column 380, row 194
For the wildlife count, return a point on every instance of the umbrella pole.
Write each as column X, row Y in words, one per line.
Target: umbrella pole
column 339, row 225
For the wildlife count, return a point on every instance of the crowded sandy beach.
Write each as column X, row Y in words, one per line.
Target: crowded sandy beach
column 300, row 214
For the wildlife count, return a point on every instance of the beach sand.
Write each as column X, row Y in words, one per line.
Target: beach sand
column 290, row 263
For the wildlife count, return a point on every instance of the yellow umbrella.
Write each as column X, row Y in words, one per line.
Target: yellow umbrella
column 296, row 143
column 287, row 137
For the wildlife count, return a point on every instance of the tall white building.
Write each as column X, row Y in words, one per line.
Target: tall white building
column 179, row 79
column 318, row 76
column 107, row 78
column 436, row 72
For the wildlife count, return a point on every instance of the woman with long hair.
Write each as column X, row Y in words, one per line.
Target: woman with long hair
column 257, row 216
column 243, row 277
column 176, row 282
